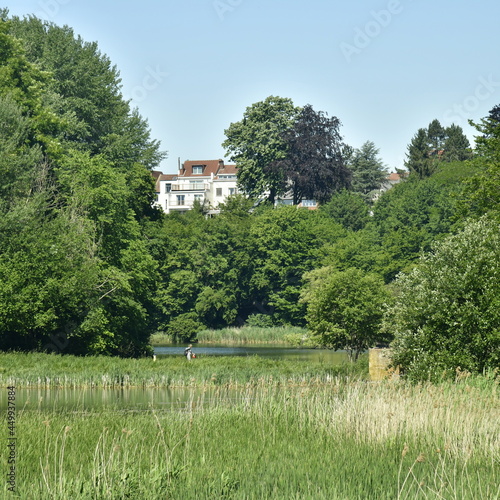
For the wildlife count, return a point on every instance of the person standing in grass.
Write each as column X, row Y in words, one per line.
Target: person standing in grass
column 188, row 352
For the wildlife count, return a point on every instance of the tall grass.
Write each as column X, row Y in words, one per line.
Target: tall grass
column 243, row 335
column 250, row 335
column 52, row 370
column 348, row 440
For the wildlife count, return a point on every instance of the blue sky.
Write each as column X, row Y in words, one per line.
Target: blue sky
column 384, row 67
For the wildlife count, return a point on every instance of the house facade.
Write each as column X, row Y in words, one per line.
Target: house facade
column 209, row 182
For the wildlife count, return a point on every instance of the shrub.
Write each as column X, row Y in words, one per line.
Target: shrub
column 447, row 312
column 184, row 328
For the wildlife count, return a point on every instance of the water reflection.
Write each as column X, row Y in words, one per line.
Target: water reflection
column 126, row 399
column 146, row 399
column 274, row 351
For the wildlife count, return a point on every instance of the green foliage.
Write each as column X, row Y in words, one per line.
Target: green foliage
column 349, row 209
column 434, row 145
column 283, row 245
column 184, row 328
column 446, row 313
column 368, row 170
column 76, row 272
column 17, row 158
column 216, row 307
column 345, row 309
column 259, row 320
column 256, row 142
column 481, row 192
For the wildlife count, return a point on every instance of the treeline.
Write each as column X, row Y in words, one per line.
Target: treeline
column 88, row 265
column 76, row 193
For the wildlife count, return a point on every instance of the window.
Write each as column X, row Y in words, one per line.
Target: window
column 198, row 197
column 308, row 203
column 168, row 188
column 232, row 191
column 218, row 192
column 197, row 169
column 180, row 199
column 284, row 202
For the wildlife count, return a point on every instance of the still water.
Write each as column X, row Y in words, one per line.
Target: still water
column 146, row 399
column 273, row 351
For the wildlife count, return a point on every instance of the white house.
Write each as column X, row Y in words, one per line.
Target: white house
column 207, row 181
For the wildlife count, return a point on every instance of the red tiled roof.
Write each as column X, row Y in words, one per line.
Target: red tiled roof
column 209, row 167
column 394, row 177
column 228, row 170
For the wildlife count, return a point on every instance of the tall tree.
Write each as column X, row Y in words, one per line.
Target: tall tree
column 456, row 145
column 256, row 143
column 435, row 136
column 313, row 166
column 368, row 170
column 418, row 160
column 433, row 145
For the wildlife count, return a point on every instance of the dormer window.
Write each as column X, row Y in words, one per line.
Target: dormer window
column 197, row 169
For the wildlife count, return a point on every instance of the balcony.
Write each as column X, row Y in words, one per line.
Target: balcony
column 191, row 186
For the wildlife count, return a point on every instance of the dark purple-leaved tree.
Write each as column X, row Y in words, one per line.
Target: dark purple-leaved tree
column 314, row 166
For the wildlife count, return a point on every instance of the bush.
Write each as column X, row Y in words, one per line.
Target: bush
column 184, row 328
column 259, row 321
column 447, row 313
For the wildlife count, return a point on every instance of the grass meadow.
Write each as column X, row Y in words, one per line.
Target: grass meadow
column 291, row 430
column 346, row 440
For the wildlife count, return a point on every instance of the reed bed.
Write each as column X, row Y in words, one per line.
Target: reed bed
column 242, row 335
column 53, row 370
column 250, row 335
column 346, row 440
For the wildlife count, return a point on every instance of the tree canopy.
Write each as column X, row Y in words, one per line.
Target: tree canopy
column 432, row 145
column 313, row 166
column 256, row 143
column 368, row 170
column 279, row 148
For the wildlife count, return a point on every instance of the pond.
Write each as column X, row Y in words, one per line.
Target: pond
column 274, row 351
column 146, row 399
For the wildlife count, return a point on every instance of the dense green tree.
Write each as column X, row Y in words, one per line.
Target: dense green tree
column 456, row 145
column 17, row 158
column 76, row 272
column 345, row 309
column 349, row 209
column 283, row 246
column 256, row 142
column 431, row 146
column 446, row 314
column 482, row 194
column 368, row 170
column 313, row 166
column 418, row 160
